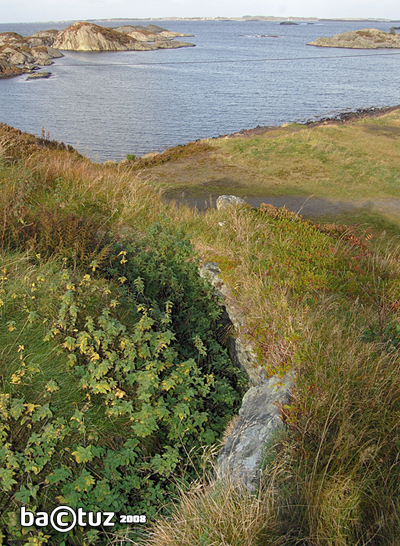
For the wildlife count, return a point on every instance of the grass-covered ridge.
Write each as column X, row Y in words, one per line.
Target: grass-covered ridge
column 111, row 354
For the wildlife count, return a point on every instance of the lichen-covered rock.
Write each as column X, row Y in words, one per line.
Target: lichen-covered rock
column 171, row 44
column 39, row 76
column 83, row 36
column 7, row 69
column 225, row 201
column 259, row 418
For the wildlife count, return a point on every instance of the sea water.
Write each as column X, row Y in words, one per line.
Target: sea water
column 239, row 75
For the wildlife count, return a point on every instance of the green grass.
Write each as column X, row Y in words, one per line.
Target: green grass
column 355, row 162
column 319, row 299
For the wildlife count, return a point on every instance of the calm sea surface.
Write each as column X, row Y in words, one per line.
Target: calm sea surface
column 110, row 104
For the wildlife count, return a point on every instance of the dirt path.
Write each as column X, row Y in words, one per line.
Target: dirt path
column 311, row 207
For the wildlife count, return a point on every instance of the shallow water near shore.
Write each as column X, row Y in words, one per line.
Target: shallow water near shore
column 238, row 76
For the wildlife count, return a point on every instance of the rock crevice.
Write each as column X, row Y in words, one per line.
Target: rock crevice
column 259, row 416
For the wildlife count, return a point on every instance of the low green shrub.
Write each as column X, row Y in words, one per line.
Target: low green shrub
column 140, row 385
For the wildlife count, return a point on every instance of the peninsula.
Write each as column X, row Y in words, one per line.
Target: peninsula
column 367, row 38
column 19, row 54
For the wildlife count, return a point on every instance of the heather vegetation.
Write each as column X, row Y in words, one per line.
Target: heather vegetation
column 114, row 374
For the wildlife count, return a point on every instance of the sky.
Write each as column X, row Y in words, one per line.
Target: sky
column 18, row 11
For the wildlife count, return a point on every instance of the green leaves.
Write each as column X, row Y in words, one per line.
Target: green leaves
column 151, row 383
column 83, row 454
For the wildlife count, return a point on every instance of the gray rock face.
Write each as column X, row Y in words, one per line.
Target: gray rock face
column 259, row 415
column 225, row 201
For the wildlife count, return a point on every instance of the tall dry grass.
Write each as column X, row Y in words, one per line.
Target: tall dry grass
column 219, row 514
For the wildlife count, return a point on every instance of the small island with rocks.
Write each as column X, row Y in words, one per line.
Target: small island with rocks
column 367, row 38
column 21, row 55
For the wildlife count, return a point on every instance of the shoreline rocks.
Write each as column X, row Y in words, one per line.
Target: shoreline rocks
column 21, row 55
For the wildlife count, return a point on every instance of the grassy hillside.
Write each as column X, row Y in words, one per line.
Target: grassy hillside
column 353, row 166
column 114, row 379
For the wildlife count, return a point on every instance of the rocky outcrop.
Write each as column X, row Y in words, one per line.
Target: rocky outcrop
column 39, row 76
column 150, row 33
column 7, row 69
column 259, row 416
column 19, row 55
column 90, row 37
column 240, row 350
column 368, row 38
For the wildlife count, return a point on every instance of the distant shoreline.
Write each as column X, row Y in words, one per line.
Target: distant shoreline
column 245, row 18
column 334, row 119
column 254, row 18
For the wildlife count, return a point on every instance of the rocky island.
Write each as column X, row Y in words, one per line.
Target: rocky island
column 367, row 38
column 19, row 54
column 91, row 37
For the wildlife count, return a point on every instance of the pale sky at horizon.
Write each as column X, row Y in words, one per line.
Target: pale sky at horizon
column 20, row 11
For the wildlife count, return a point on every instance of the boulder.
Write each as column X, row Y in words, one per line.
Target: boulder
column 225, row 201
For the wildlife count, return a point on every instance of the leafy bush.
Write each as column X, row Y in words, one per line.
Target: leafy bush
column 141, row 385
